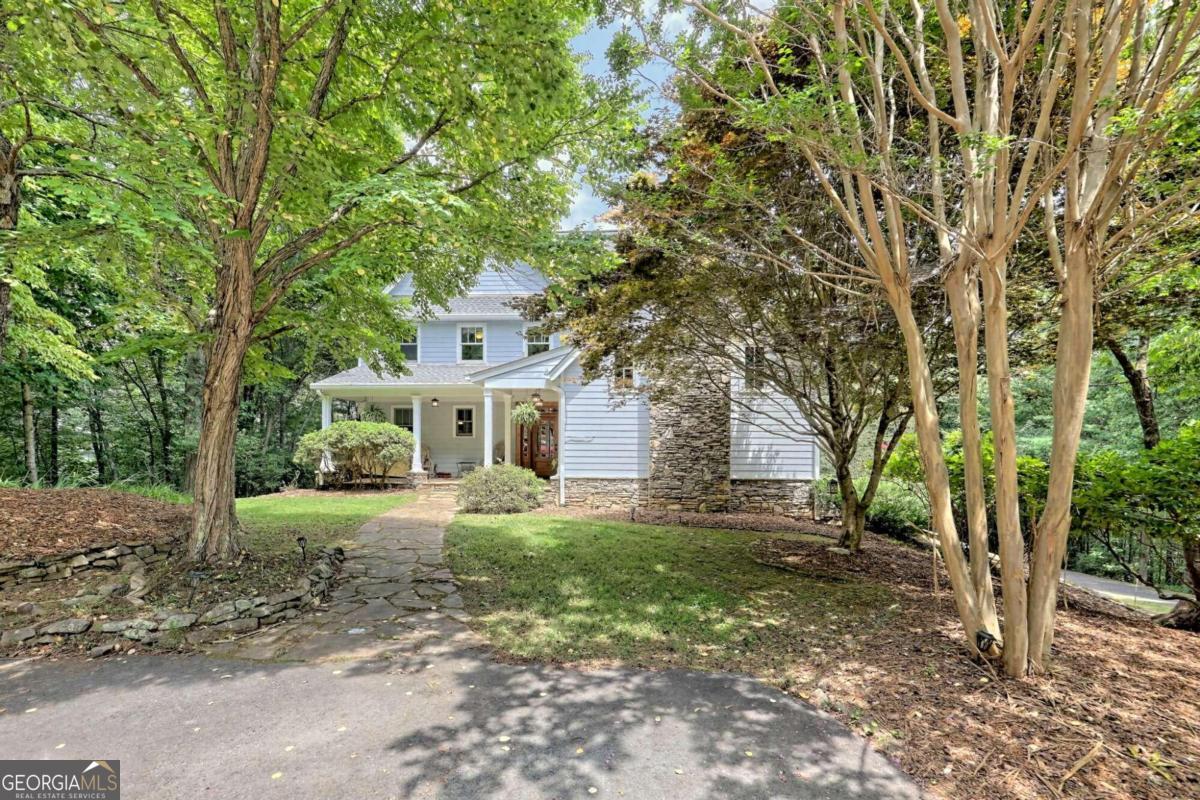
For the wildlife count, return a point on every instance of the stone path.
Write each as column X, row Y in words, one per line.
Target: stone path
column 396, row 596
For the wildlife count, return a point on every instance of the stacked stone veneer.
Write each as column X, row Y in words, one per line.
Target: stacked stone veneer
column 239, row 615
column 689, row 449
column 604, row 493
column 124, row 557
column 771, row 497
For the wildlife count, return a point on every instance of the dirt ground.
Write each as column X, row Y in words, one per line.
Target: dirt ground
column 42, row 522
column 1117, row 717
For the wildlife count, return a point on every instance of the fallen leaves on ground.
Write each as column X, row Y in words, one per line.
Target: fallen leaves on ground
column 1118, row 716
column 43, row 522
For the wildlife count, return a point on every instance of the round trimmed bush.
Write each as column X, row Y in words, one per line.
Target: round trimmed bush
column 501, row 489
column 360, row 451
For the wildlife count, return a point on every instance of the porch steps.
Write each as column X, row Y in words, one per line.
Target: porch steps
column 440, row 487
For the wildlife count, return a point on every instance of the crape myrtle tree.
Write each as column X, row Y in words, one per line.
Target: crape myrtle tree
column 1038, row 118
column 720, row 282
column 328, row 147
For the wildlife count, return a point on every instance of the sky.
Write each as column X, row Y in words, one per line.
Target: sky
column 593, row 44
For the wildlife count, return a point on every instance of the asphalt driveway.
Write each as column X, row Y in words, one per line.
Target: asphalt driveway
column 447, row 726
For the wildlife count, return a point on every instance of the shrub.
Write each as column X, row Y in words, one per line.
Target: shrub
column 359, row 450
column 895, row 511
column 502, row 489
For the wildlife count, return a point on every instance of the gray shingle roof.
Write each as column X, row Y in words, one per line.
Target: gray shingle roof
column 422, row 375
column 491, row 305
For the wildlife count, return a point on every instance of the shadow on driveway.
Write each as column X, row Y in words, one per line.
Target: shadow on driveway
column 447, row 722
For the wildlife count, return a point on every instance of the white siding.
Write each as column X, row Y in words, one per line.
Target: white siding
column 606, row 436
column 770, row 441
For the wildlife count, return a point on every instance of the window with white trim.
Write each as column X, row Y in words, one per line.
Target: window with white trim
column 411, row 347
column 536, row 341
column 403, row 417
column 470, row 343
column 622, row 377
column 464, row 421
column 754, row 361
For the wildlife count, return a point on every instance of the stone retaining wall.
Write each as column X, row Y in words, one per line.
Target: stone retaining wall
column 239, row 615
column 788, row 498
column 114, row 557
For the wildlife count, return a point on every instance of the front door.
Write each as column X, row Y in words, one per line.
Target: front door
column 539, row 443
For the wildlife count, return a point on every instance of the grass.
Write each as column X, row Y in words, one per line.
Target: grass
column 155, row 491
column 271, row 522
column 569, row 590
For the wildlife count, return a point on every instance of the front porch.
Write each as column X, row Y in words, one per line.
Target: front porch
column 456, row 430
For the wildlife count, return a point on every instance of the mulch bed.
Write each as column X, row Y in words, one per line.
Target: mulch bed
column 1117, row 717
column 43, row 522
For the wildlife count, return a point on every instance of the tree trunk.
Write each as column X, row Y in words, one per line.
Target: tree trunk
column 1004, row 432
column 54, row 475
column 99, row 445
column 214, row 520
column 10, row 207
column 962, row 291
column 1186, row 614
column 853, row 513
column 165, row 432
column 1139, row 385
column 1073, row 369
column 31, row 467
column 937, row 479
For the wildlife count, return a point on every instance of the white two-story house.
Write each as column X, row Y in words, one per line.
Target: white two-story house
column 599, row 442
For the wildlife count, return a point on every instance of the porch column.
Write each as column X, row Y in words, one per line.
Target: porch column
column 508, row 428
column 326, row 421
column 326, row 411
column 417, row 465
column 487, row 428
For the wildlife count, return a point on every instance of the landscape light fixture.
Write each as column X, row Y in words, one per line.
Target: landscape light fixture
column 303, row 542
column 194, row 578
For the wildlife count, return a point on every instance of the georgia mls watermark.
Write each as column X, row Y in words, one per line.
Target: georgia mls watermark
column 60, row 780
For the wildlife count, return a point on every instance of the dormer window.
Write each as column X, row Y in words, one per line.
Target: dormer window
column 470, row 343
column 536, row 341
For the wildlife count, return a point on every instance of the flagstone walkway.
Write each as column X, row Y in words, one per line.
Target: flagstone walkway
column 396, row 596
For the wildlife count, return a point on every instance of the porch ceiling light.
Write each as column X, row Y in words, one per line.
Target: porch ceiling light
column 433, row 402
column 536, row 397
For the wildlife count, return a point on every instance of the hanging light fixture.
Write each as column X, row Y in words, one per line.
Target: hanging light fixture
column 433, row 402
column 536, row 397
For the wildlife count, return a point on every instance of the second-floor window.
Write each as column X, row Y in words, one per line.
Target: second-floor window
column 470, row 343
column 410, row 348
column 536, row 341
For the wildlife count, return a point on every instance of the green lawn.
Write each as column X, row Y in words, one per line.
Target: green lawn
column 271, row 522
column 560, row 589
